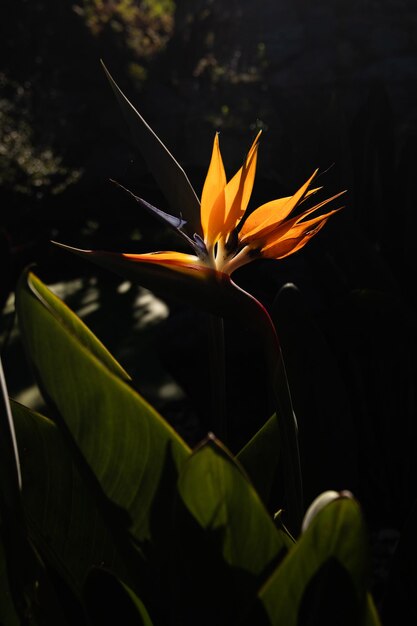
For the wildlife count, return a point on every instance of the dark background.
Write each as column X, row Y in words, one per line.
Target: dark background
column 333, row 85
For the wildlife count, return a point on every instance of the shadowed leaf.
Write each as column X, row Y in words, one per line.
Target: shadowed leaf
column 62, row 514
column 23, row 579
column 227, row 541
column 167, row 172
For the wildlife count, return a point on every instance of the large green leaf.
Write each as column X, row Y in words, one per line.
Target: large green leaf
column 76, row 327
column 65, row 522
column 129, row 450
column 227, row 541
column 323, row 579
column 167, row 172
column 216, row 491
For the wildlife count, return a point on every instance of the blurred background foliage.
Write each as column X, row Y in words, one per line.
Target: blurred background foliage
column 334, row 86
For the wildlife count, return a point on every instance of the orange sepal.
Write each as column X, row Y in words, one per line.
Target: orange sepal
column 273, row 230
column 283, row 243
column 271, row 214
column 239, row 189
column 212, row 197
column 167, row 258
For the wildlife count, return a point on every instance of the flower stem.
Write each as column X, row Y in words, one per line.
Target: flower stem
column 259, row 319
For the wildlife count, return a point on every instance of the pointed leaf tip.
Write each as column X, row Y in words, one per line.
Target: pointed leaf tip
column 168, row 173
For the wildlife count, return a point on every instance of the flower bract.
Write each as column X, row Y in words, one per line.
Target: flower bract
column 232, row 237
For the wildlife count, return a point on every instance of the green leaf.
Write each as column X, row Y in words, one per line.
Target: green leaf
column 227, row 542
column 133, row 454
column 219, row 495
column 110, row 601
column 260, row 458
column 64, row 520
column 323, row 579
column 167, row 172
column 75, row 326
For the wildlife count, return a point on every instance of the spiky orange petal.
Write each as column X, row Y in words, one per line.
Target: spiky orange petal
column 283, row 242
column 178, row 259
column 239, row 189
column 212, row 197
column 272, row 213
column 282, row 226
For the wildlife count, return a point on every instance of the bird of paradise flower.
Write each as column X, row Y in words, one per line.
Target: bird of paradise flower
column 229, row 235
column 223, row 236
column 230, row 239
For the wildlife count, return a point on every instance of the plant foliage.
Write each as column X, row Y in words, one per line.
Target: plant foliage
column 121, row 513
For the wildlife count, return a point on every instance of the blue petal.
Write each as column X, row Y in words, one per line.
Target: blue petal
column 177, row 223
column 171, row 220
column 201, row 246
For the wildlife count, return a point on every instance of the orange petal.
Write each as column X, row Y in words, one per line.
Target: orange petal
column 212, row 197
column 239, row 189
column 292, row 228
column 272, row 213
column 282, row 242
column 281, row 226
column 289, row 246
column 301, row 217
column 178, row 259
column 270, row 210
column 280, row 231
column 267, row 211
